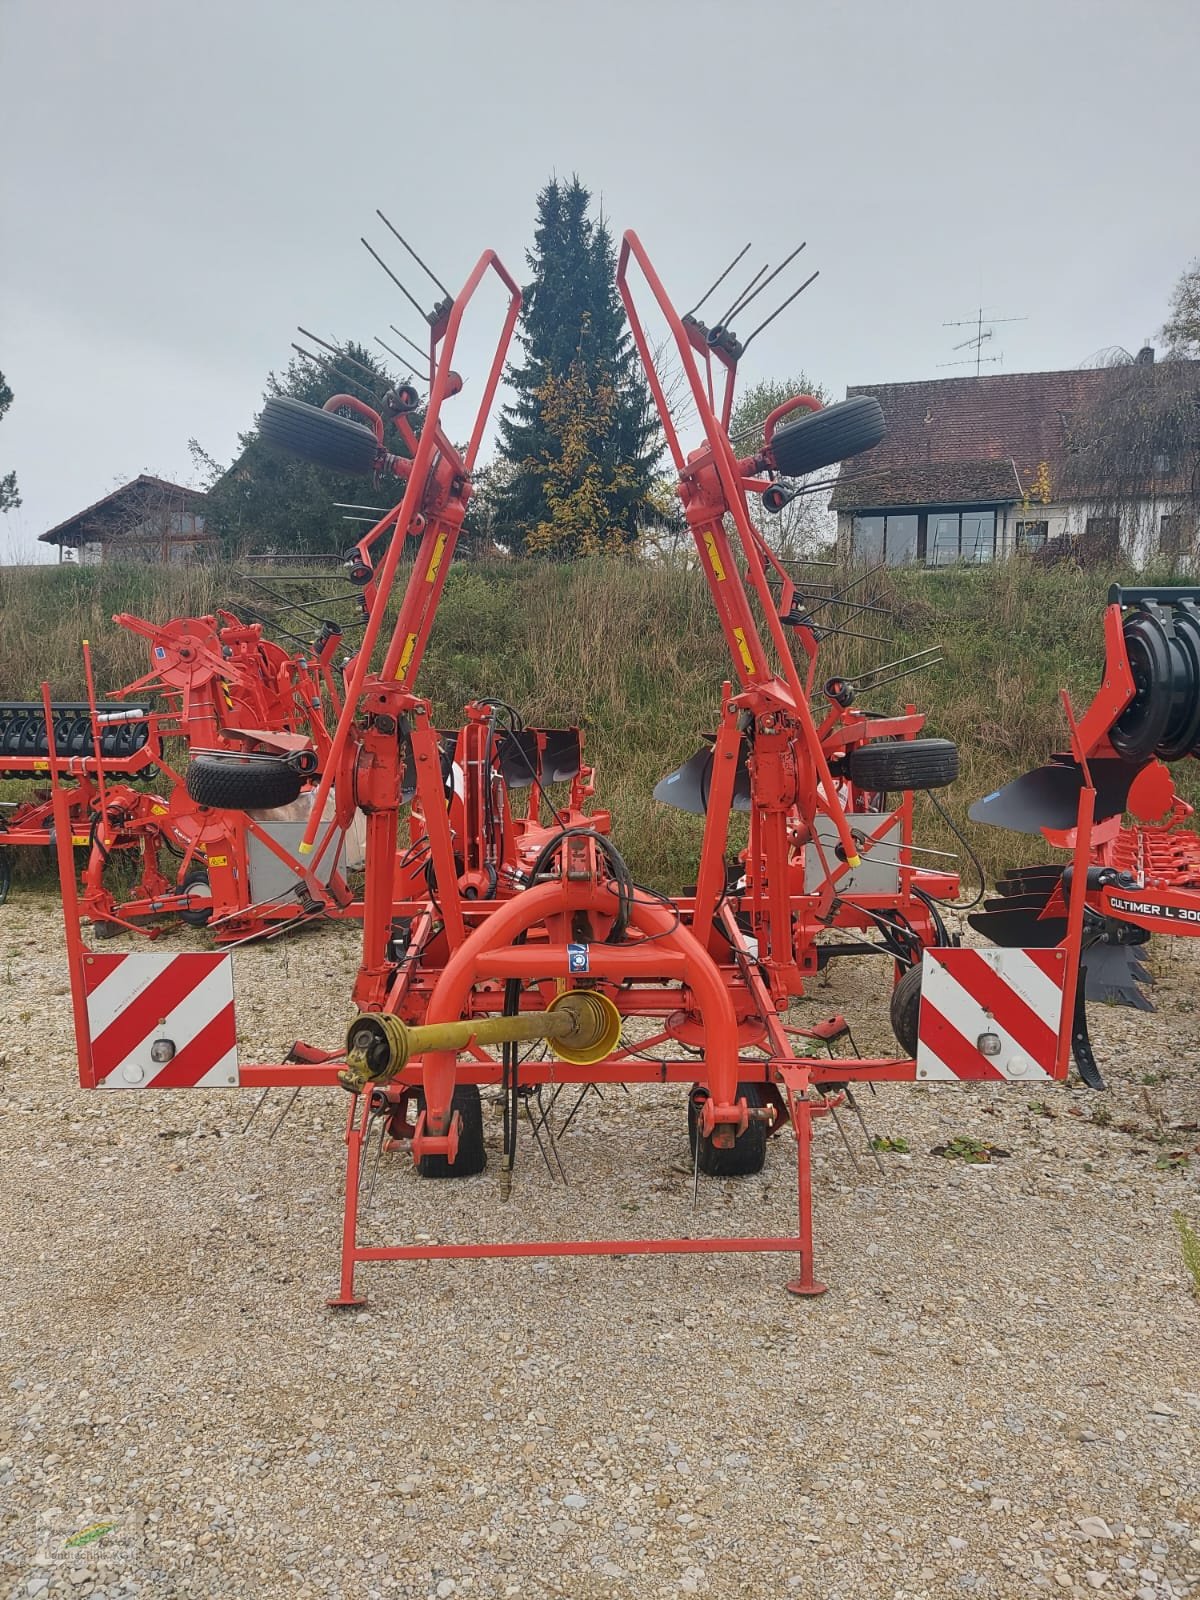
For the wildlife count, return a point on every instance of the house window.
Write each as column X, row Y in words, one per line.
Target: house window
column 892, row 538
column 1101, row 539
column 1176, row 535
column 1032, row 535
column 954, row 536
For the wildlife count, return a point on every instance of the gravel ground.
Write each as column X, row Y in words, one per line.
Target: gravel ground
column 999, row 1396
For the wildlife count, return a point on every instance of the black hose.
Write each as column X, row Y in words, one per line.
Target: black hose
column 621, row 874
column 955, row 905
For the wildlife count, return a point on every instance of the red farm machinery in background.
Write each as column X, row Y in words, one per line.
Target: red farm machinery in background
column 1114, row 785
column 506, row 912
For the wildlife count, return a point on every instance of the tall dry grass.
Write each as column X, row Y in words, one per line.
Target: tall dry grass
column 633, row 651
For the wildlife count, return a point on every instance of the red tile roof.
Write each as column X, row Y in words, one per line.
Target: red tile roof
column 95, row 520
column 970, row 440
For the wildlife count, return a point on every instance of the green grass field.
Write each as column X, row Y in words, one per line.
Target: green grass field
column 632, row 650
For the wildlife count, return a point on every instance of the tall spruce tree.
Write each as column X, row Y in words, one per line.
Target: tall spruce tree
column 581, row 438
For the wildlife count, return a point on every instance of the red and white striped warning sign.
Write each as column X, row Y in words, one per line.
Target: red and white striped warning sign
column 160, row 1022
column 990, row 1014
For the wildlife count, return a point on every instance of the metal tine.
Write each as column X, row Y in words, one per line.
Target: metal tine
column 852, row 1102
column 794, row 296
column 587, row 1089
column 886, row 666
column 337, row 372
column 395, row 279
column 413, row 254
column 723, row 321
column 550, row 1135
column 375, row 1160
column 537, row 1138
column 285, row 1113
column 741, row 306
column 696, row 1167
column 718, row 282
column 921, row 849
column 830, row 631
column 403, row 360
column 258, row 1105
column 344, row 354
column 907, row 673
column 850, row 1150
column 401, row 334
column 819, row 603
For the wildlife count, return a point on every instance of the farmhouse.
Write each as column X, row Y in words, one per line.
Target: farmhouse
column 147, row 519
column 976, row 468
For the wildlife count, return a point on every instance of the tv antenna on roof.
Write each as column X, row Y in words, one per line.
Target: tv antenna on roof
column 979, row 339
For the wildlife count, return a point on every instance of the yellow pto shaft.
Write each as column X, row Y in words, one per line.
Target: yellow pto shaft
column 581, row 1026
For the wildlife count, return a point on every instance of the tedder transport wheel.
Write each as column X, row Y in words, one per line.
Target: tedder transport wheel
column 831, row 434
column 472, row 1157
column 196, row 878
column 904, row 764
column 243, row 783
column 748, row 1152
column 905, row 1009
column 319, row 436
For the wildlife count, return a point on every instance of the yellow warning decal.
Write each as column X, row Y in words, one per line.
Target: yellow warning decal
column 744, row 649
column 710, row 544
column 80, row 838
column 41, row 766
column 158, row 811
column 435, row 559
column 406, row 655
column 218, row 861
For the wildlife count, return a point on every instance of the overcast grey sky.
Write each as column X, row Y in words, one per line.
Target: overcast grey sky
column 183, row 183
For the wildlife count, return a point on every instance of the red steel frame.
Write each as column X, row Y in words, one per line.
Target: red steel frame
column 688, row 964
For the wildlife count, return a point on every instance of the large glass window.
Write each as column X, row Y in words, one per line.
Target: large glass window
column 941, row 539
column 900, row 542
column 953, row 536
column 892, row 538
column 978, row 536
column 866, row 540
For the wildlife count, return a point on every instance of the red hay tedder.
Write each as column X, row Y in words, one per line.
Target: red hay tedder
column 507, row 916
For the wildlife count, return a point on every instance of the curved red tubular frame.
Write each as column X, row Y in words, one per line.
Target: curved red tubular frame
column 432, row 440
column 700, row 974
column 765, row 690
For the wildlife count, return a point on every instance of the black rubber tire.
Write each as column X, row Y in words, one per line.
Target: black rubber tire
column 832, row 434
column 235, row 783
column 472, row 1156
column 903, row 764
column 196, row 878
column 318, row 436
column 745, row 1156
column 1143, row 723
column 905, row 1009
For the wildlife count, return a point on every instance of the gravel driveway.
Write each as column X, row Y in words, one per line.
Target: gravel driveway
column 999, row 1396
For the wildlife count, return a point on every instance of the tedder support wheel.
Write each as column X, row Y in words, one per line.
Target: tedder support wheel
column 747, row 1153
column 319, row 436
column 904, row 764
column 831, row 434
column 243, row 783
column 906, row 1008
column 199, row 916
column 472, row 1157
